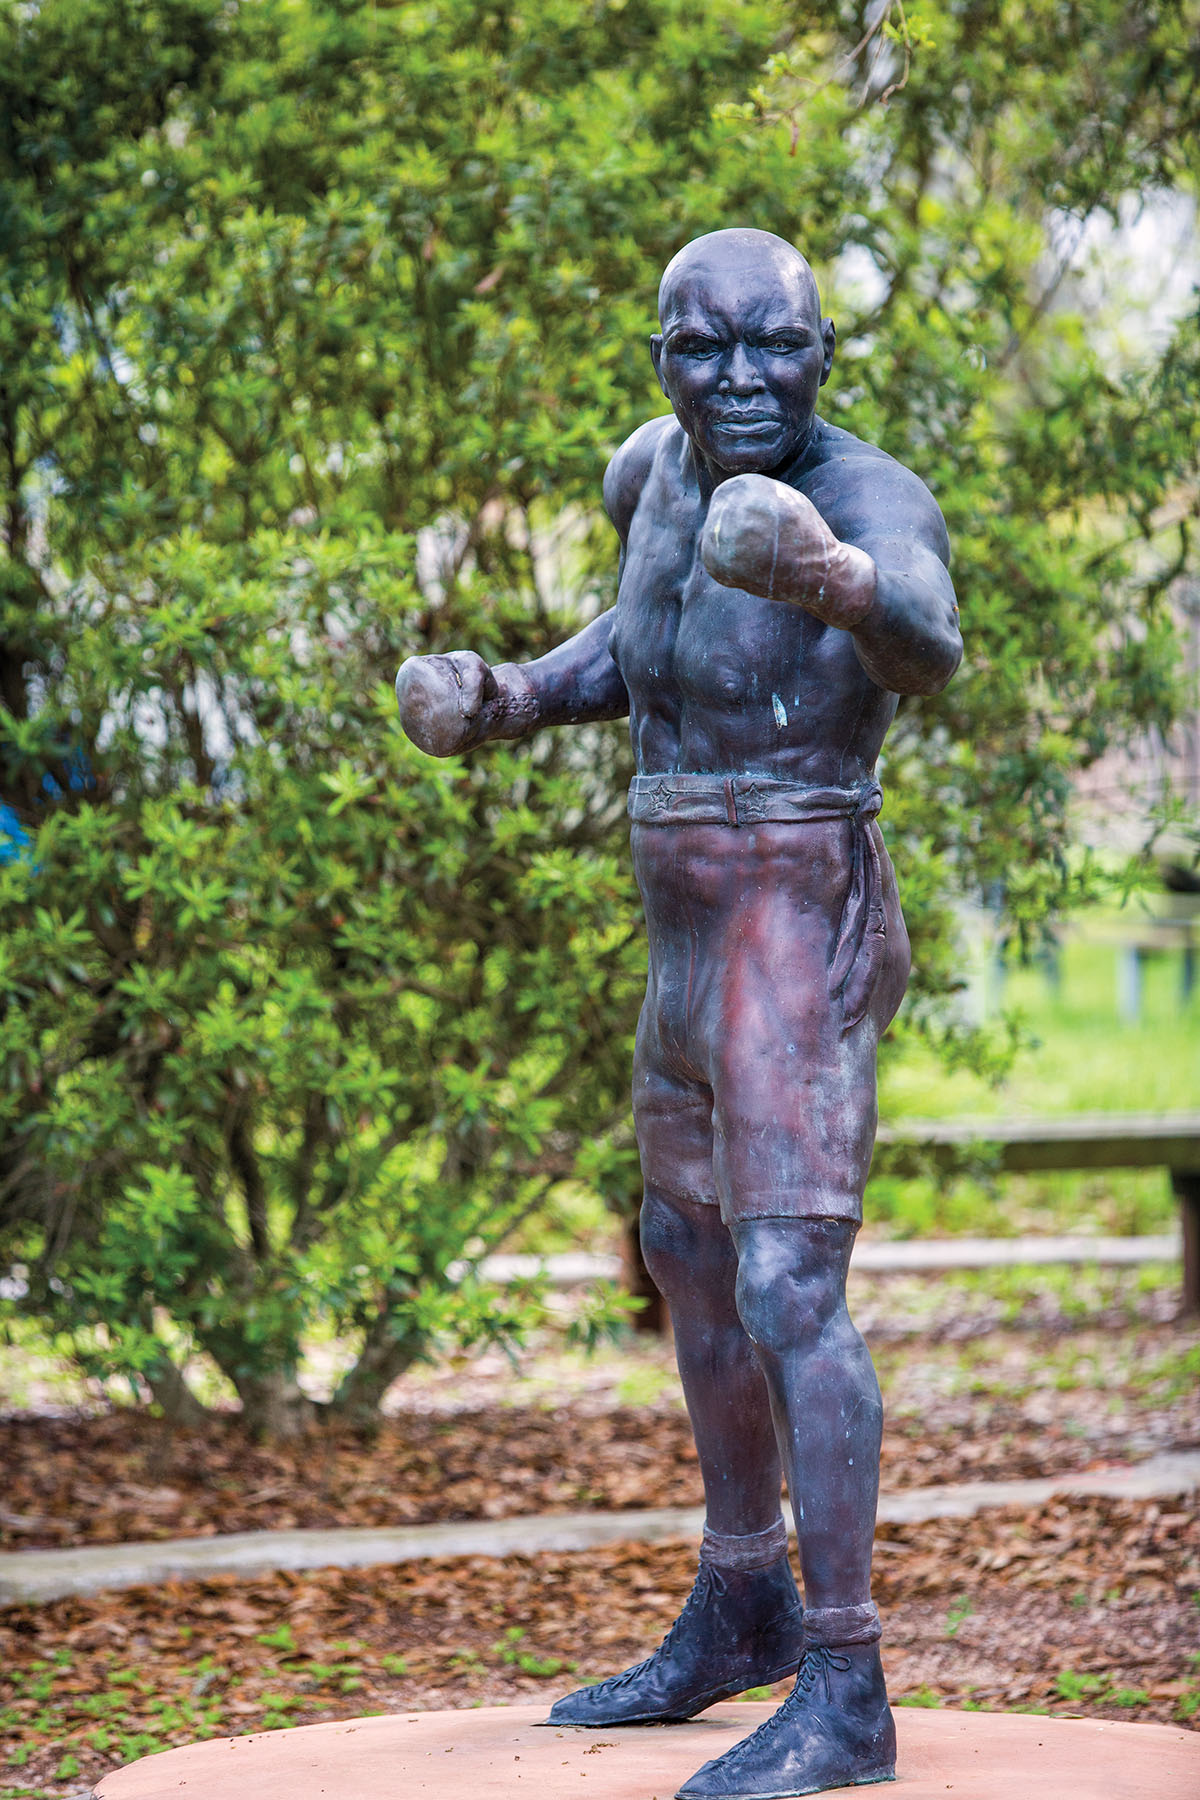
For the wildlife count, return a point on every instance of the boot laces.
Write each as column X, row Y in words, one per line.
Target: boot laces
column 815, row 1665
column 708, row 1581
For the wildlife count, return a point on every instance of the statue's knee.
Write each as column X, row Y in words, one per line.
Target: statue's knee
column 786, row 1299
column 662, row 1247
column 682, row 1246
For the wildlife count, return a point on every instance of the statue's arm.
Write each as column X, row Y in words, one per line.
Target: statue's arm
column 909, row 640
column 573, row 684
column 906, row 632
column 579, row 681
column 900, row 605
column 870, row 557
column 452, row 702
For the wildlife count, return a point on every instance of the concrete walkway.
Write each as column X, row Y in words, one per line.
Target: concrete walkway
column 30, row 1577
column 576, row 1268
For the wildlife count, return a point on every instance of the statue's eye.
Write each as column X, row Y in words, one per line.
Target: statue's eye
column 695, row 346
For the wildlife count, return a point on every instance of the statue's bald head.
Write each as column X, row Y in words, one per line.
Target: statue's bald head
column 763, row 258
column 743, row 350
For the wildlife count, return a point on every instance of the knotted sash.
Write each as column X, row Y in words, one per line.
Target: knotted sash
column 740, row 800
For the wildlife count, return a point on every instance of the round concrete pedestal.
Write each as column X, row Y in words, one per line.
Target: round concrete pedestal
column 501, row 1753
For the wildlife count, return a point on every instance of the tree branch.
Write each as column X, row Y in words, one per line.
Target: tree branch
column 246, row 1167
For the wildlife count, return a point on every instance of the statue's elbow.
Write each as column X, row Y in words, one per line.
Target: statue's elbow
column 944, row 665
column 929, row 671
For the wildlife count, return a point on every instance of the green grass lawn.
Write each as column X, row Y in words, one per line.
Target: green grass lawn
column 1080, row 1057
column 1083, row 1057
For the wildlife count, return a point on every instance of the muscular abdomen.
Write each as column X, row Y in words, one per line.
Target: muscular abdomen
column 746, row 685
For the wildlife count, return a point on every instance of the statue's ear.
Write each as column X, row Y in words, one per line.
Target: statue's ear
column 829, row 339
column 656, row 349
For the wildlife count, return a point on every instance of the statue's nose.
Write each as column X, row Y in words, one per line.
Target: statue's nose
column 740, row 374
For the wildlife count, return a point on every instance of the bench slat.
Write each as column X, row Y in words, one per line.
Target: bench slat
column 1077, row 1141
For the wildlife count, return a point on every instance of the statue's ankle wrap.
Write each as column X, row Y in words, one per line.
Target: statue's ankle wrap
column 753, row 1550
column 838, row 1625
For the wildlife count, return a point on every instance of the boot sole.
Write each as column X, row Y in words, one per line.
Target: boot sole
column 699, row 1705
column 789, row 1793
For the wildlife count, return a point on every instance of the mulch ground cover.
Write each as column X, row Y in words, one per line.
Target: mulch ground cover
column 118, row 1476
column 1082, row 1608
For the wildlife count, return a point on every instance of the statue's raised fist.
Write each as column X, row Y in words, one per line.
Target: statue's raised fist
column 446, row 701
column 765, row 537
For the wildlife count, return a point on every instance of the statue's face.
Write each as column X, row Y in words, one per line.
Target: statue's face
column 742, row 355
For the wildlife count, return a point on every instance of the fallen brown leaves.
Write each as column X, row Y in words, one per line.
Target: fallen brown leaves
column 120, row 1477
column 1073, row 1607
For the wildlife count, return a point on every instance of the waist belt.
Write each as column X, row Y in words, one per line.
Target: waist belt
column 740, row 800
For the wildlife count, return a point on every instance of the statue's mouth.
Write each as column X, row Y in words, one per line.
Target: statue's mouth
column 747, row 422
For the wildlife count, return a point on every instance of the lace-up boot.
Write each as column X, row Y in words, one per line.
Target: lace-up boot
column 835, row 1728
column 742, row 1626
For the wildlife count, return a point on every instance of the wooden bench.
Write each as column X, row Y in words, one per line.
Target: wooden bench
column 1168, row 1141
column 1173, row 927
column 1158, row 937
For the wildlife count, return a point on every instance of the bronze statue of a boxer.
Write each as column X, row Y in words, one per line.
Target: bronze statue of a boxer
column 781, row 583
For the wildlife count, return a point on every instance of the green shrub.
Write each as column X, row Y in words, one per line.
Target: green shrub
column 317, row 323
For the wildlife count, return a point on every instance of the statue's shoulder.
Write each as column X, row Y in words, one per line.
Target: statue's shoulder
column 861, row 492
column 837, row 453
column 630, row 468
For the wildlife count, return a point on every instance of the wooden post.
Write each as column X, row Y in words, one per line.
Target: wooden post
column 1186, row 1186
column 1129, row 984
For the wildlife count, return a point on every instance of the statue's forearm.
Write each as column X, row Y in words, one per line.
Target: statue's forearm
column 890, row 590
column 452, row 701
column 905, row 630
column 904, row 624
column 896, row 600
column 574, row 683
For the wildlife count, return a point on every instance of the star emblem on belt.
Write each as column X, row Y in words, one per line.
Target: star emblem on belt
column 752, row 801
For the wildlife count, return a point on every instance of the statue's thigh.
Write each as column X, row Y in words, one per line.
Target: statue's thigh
column 794, row 1099
column 672, row 1114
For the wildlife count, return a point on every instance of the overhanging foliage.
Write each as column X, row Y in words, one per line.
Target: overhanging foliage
column 317, row 323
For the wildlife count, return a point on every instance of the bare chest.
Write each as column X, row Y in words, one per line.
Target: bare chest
column 683, row 642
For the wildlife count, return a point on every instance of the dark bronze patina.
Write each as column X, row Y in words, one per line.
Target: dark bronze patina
column 781, row 584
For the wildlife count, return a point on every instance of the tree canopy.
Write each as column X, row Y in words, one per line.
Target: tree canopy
column 317, row 323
